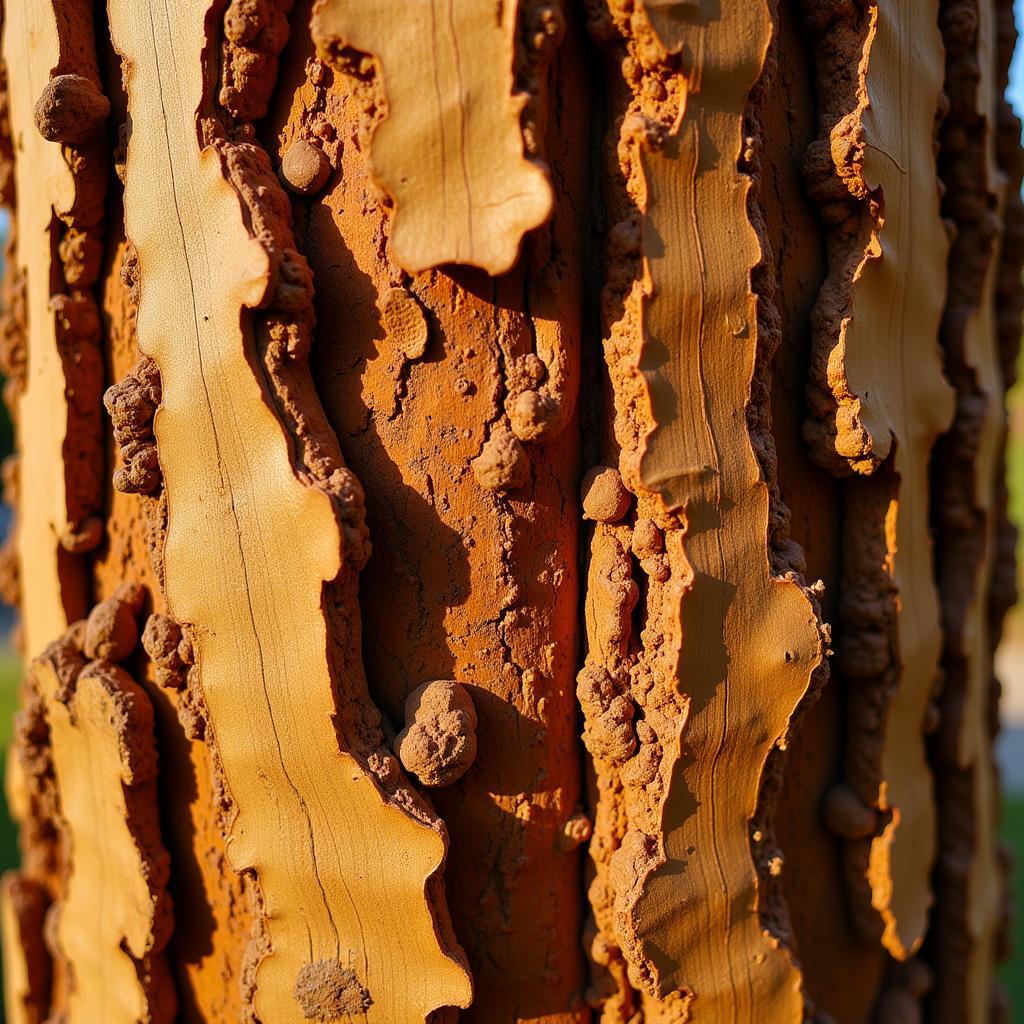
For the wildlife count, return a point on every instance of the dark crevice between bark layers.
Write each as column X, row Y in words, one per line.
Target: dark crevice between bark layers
column 840, row 972
column 870, row 433
column 787, row 556
column 597, row 412
column 965, row 924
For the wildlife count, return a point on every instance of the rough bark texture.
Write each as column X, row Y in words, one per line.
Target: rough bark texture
column 877, row 405
column 448, row 439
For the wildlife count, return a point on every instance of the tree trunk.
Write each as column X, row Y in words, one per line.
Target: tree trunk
column 510, row 408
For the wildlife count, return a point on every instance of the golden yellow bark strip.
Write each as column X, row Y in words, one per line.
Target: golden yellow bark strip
column 885, row 366
column 343, row 871
column 892, row 361
column 751, row 640
column 26, row 961
column 450, row 148
column 45, row 189
column 110, row 917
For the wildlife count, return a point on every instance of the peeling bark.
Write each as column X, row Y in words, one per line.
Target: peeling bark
column 693, row 849
column 611, row 345
column 471, row 579
column 878, row 400
column 463, row 188
column 108, row 936
column 206, row 949
column 228, row 227
column 61, row 182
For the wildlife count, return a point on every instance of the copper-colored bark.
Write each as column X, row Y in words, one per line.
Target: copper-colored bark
column 501, row 401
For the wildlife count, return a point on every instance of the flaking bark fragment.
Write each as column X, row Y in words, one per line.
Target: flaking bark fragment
column 56, row 254
column 683, row 825
column 109, row 939
column 463, row 188
column 878, row 400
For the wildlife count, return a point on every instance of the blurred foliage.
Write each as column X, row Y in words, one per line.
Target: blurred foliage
column 10, row 677
column 1012, row 972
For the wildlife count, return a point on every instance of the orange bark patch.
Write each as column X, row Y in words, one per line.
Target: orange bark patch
column 465, row 582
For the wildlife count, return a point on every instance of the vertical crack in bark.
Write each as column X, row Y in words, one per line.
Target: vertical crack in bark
column 878, row 400
column 248, row 464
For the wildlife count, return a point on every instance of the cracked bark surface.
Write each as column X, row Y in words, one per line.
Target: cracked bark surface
column 502, row 405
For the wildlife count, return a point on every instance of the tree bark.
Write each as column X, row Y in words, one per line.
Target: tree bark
column 509, row 509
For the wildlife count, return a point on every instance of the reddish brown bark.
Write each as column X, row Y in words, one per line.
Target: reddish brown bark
column 502, row 408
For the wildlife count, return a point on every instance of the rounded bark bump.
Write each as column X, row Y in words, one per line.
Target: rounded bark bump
column 438, row 743
column 305, row 167
column 70, row 109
